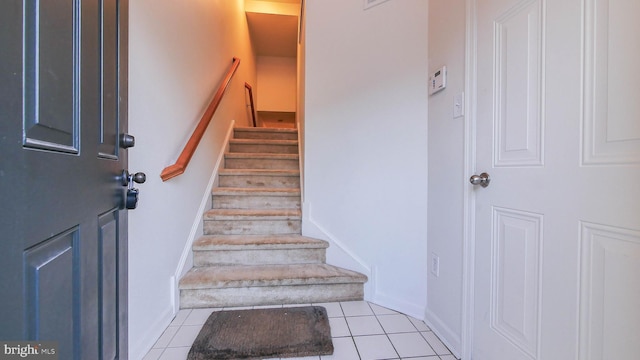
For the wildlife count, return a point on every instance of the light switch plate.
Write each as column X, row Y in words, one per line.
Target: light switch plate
column 435, row 264
column 458, row 105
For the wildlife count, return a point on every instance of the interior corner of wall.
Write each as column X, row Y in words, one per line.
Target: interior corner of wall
column 396, row 303
column 449, row 337
column 375, row 294
column 371, row 286
column 140, row 345
column 338, row 253
column 175, row 294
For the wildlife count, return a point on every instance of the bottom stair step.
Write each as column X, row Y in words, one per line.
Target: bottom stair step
column 219, row 286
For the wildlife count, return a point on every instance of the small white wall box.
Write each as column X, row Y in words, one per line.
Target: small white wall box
column 438, row 80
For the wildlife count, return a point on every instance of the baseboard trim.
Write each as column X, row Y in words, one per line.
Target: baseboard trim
column 338, row 254
column 394, row 303
column 345, row 258
column 142, row 347
column 446, row 335
column 196, row 229
column 348, row 260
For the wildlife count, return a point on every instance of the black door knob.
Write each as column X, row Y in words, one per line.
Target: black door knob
column 127, row 141
column 132, row 199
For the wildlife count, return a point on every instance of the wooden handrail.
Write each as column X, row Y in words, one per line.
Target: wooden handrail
column 253, row 108
column 180, row 165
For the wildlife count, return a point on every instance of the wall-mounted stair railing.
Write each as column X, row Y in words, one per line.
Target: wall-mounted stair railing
column 189, row 149
column 251, row 104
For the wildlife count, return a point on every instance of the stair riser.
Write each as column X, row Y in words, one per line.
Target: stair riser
column 263, row 148
column 247, row 181
column 248, row 163
column 239, row 134
column 259, row 257
column 270, row 295
column 255, row 202
column 251, row 227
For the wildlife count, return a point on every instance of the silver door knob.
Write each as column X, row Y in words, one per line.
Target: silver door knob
column 483, row 180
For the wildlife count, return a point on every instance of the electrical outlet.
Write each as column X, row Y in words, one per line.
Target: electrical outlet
column 435, row 265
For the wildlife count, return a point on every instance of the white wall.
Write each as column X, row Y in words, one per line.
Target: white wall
column 276, row 83
column 178, row 55
column 446, row 171
column 366, row 143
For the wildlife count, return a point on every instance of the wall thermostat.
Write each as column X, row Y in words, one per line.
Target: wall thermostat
column 438, row 80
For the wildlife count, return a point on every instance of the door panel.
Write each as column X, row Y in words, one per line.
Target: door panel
column 109, row 83
column 515, row 285
column 612, row 83
column 108, row 282
column 63, row 272
column 51, row 76
column 52, row 288
column 609, row 256
column 518, row 36
column 557, row 246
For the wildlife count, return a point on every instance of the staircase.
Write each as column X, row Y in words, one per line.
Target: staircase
column 252, row 252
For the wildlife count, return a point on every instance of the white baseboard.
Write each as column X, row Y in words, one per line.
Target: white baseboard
column 186, row 259
column 408, row 308
column 142, row 346
column 448, row 337
column 338, row 254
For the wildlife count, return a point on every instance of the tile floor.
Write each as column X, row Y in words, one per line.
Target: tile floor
column 360, row 331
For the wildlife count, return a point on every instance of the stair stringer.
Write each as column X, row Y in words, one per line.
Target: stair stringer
column 338, row 254
column 186, row 258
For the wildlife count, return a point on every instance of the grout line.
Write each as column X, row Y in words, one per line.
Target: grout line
column 343, row 316
column 384, row 330
column 353, row 340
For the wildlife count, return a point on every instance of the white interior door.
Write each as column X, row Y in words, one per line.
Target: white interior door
column 558, row 229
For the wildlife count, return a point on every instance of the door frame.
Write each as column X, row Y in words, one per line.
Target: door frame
column 123, row 113
column 469, row 197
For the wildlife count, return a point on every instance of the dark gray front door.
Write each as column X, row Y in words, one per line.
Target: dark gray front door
column 63, row 258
